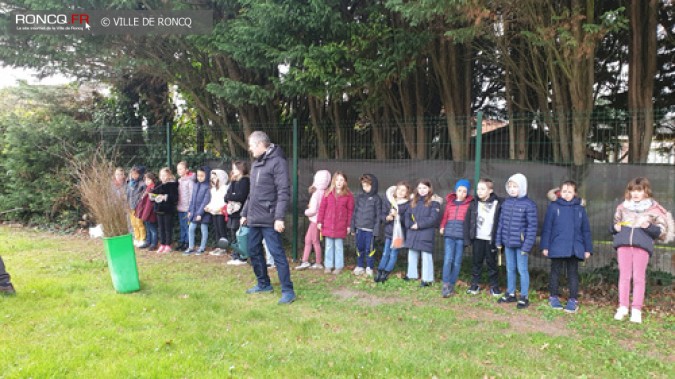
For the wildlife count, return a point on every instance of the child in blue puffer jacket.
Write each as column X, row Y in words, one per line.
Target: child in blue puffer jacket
column 517, row 232
column 566, row 240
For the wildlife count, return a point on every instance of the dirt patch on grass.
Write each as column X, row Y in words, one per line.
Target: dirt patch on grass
column 362, row 297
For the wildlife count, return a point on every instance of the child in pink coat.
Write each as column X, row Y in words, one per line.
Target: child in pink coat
column 333, row 220
column 317, row 189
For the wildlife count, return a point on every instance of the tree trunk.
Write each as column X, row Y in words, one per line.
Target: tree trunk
column 641, row 72
column 315, row 112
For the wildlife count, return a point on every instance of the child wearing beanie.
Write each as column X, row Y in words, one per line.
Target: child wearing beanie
column 453, row 230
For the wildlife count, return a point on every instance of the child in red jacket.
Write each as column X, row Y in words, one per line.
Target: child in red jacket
column 146, row 212
column 452, row 228
column 335, row 216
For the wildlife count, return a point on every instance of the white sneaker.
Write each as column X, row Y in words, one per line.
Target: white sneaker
column 327, row 270
column 303, row 266
column 138, row 243
column 316, row 266
column 621, row 313
column 369, row 272
column 236, row 262
column 217, row 252
column 359, row 271
column 636, row 316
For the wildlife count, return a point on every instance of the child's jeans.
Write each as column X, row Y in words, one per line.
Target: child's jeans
column 389, row 257
column 483, row 251
column 571, row 265
column 427, row 265
column 138, row 226
column 312, row 240
column 452, row 261
column 150, row 233
column 364, row 249
column 191, row 235
column 632, row 265
column 516, row 261
column 183, row 221
column 335, row 256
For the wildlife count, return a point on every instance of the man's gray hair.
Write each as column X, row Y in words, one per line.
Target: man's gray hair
column 260, row 137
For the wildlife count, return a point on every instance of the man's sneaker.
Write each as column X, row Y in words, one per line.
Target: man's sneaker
column 369, row 272
column 259, row 289
column 303, row 266
column 359, row 271
column 316, row 266
column 572, row 306
column 7, row 289
column 495, row 291
column 507, row 298
column 217, row 252
column 337, row 271
column 473, row 290
column 236, row 262
column 621, row 313
column 189, row 251
column 327, row 270
column 555, row 303
column 447, row 290
column 636, row 316
column 523, row 302
column 287, row 298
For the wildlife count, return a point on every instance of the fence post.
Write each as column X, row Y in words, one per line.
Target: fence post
column 294, row 241
column 479, row 146
column 168, row 144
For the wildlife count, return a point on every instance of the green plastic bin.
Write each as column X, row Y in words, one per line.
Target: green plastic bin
column 122, row 263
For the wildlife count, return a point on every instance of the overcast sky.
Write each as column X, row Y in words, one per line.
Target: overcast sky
column 9, row 77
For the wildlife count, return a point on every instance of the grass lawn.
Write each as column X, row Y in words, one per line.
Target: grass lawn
column 192, row 320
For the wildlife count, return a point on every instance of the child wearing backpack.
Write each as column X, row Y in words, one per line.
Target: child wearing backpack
column 638, row 221
column 566, row 240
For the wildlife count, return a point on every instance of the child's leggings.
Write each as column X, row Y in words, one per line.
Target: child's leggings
column 632, row 265
column 312, row 240
column 137, row 225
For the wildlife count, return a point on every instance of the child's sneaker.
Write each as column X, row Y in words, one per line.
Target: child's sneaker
column 303, row 266
column 316, row 266
column 621, row 313
column 555, row 303
column 189, row 251
column 200, row 252
column 369, row 272
column 523, row 302
column 337, row 271
column 359, row 271
column 495, row 291
column 236, row 262
column 327, row 270
column 447, row 291
column 217, row 252
column 473, row 290
column 636, row 316
column 572, row 306
column 507, row 298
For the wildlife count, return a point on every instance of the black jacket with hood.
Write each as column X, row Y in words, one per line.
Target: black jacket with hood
column 368, row 209
column 269, row 194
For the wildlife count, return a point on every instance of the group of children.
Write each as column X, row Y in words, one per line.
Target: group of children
column 410, row 217
column 197, row 199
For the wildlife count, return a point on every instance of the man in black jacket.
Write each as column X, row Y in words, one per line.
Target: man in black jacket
column 264, row 214
column 6, row 287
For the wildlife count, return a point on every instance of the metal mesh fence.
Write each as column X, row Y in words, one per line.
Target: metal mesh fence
column 424, row 149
